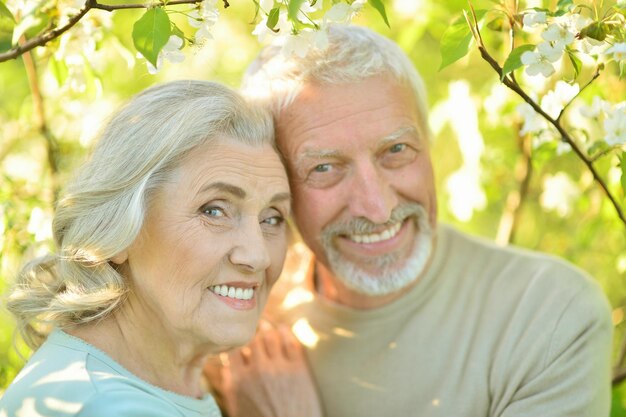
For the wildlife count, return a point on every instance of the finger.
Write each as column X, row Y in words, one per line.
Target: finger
column 241, row 357
column 290, row 345
column 271, row 341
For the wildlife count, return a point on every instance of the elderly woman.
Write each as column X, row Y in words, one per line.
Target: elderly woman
column 169, row 240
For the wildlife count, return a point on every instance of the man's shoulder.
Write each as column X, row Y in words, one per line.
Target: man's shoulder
column 517, row 275
column 511, row 262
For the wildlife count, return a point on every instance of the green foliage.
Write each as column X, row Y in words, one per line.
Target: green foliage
column 514, row 61
column 622, row 164
column 456, row 40
column 587, row 234
column 293, row 8
column 380, row 8
column 151, row 32
column 272, row 18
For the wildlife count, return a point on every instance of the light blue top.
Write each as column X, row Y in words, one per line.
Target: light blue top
column 68, row 377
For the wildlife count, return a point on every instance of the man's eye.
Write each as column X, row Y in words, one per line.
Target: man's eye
column 322, row 168
column 397, row 148
column 213, row 211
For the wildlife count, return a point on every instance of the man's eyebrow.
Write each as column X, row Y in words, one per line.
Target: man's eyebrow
column 398, row 134
column 318, row 154
column 227, row 188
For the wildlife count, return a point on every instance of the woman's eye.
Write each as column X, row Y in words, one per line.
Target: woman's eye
column 397, row 148
column 274, row 220
column 213, row 211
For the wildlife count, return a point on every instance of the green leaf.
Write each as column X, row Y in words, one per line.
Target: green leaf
column 7, row 23
column 380, row 7
column 293, row 8
column 565, row 5
column 456, row 40
column 272, row 18
column 594, row 30
column 151, row 32
column 6, row 13
column 622, row 164
column 576, row 62
column 514, row 60
column 597, row 147
column 58, row 69
column 179, row 32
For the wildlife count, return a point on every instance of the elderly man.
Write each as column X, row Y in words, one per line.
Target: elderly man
column 409, row 317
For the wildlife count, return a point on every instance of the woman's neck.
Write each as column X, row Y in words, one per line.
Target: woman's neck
column 147, row 351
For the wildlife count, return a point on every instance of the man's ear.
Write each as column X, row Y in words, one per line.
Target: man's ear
column 120, row 257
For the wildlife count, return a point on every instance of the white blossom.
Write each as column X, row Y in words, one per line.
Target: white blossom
column 343, row 12
column 204, row 18
column 558, row 34
column 300, row 44
column 170, row 52
column 540, row 62
column 533, row 122
column 282, row 27
column 308, row 8
column 266, row 5
column 618, row 50
column 559, row 193
column 598, row 107
column 615, row 125
column 562, row 31
column 554, row 101
column 534, row 18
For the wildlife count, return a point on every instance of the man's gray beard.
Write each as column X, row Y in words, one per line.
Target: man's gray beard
column 391, row 276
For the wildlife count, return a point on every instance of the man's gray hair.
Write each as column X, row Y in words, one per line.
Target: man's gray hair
column 354, row 54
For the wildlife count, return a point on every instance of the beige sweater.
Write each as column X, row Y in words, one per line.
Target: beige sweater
column 487, row 332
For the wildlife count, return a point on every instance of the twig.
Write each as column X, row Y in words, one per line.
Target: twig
column 46, row 37
column 596, row 74
column 557, row 125
column 603, row 153
column 523, row 172
column 52, row 147
column 618, row 376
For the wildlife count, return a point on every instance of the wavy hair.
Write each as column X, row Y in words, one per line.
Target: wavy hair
column 102, row 210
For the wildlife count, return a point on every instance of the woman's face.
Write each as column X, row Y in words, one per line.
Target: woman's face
column 212, row 245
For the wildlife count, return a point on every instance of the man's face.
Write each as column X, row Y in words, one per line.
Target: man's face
column 362, row 182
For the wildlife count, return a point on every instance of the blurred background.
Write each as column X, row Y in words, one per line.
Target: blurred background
column 492, row 181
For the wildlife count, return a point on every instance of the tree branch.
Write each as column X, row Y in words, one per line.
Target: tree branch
column 596, row 74
column 507, row 81
column 52, row 147
column 523, row 172
column 52, row 34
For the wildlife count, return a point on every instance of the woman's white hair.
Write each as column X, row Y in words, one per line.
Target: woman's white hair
column 353, row 54
column 103, row 208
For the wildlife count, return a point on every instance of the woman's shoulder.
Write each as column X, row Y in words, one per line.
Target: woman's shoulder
column 54, row 379
column 127, row 403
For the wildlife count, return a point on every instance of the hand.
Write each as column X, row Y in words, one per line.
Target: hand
column 268, row 378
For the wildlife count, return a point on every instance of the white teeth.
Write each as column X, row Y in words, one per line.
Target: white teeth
column 232, row 292
column 377, row 237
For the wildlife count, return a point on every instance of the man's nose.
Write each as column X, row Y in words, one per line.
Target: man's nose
column 250, row 252
column 371, row 195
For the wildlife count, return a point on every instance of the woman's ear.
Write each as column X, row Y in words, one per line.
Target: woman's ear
column 120, row 257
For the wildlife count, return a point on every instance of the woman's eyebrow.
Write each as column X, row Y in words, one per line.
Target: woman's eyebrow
column 233, row 190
